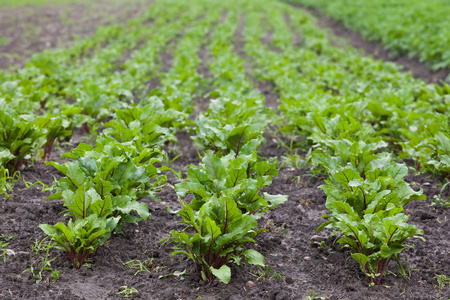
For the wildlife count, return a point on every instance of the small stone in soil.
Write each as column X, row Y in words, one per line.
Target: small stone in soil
column 250, row 284
column 300, row 209
column 307, row 258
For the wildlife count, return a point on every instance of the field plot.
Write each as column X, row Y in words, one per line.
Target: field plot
column 214, row 149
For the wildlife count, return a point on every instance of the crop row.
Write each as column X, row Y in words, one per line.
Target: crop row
column 416, row 28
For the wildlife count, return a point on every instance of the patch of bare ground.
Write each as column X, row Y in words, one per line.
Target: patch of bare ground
column 375, row 49
column 31, row 29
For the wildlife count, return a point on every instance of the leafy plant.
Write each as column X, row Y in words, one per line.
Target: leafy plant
column 81, row 239
column 149, row 125
column 216, row 236
column 365, row 195
column 55, row 128
column 19, row 140
column 441, row 151
column 242, row 138
column 243, row 177
column 113, row 175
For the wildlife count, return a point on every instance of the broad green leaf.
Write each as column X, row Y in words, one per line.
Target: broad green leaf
column 223, row 274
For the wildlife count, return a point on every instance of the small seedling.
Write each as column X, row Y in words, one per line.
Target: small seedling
column 267, row 274
column 7, row 182
column 324, row 247
column 45, row 265
column 442, row 280
column 55, row 275
column 438, row 200
column 313, row 296
column 6, row 237
column 3, row 250
column 29, row 184
column 402, row 270
column 127, row 292
column 148, row 266
column 39, row 246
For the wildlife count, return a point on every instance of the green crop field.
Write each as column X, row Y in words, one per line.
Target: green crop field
column 214, row 149
column 417, row 28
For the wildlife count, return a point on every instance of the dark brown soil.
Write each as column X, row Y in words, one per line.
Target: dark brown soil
column 376, row 49
column 31, row 29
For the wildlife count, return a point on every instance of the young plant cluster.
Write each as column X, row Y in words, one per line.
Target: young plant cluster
column 100, row 192
column 323, row 87
column 366, row 195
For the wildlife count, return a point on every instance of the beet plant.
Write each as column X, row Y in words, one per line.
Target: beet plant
column 366, row 194
column 222, row 218
column 245, row 176
column 90, row 225
column 117, row 172
column 55, row 128
column 231, row 125
column 80, row 239
column 19, row 140
column 59, row 127
column 216, row 235
column 148, row 125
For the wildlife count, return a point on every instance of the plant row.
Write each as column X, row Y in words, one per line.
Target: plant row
column 103, row 183
column 221, row 219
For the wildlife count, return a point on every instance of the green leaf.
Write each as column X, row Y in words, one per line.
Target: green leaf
column 254, row 257
column 361, row 259
column 223, row 274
